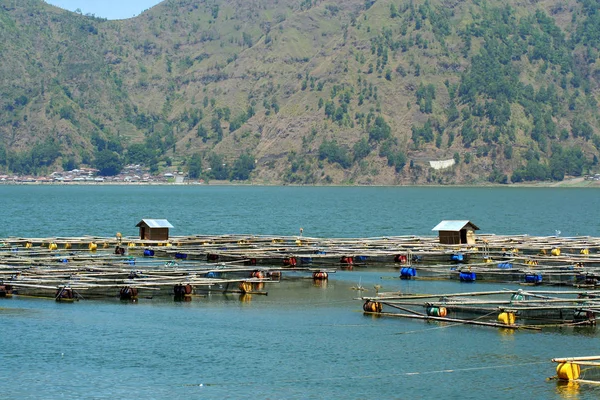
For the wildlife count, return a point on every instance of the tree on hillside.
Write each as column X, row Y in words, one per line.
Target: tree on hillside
column 218, row 168
column 140, row 153
column 215, row 123
column 242, row 167
column 108, row 163
column 195, row 166
column 69, row 163
column 3, row 158
column 361, row 149
column 380, row 130
column 330, row 150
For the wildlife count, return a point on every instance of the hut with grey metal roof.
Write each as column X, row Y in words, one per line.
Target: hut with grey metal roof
column 456, row 232
column 154, row 229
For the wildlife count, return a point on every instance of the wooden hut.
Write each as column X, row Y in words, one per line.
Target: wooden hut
column 456, row 232
column 154, row 229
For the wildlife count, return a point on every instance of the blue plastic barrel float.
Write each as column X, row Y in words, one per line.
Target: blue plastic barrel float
column 407, row 272
column 181, row 256
column 467, row 276
column 505, row 265
column 458, row 257
column 533, row 278
column 148, row 253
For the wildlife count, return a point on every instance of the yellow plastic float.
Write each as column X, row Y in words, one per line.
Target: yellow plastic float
column 568, row 371
column 372, row 306
column 245, row 287
column 507, row 318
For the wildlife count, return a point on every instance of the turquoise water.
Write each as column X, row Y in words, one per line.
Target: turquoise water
column 321, row 211
column 301, row 341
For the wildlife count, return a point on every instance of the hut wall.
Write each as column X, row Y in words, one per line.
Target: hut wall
column 147, row 233
column 449, row 237
column 159, row 234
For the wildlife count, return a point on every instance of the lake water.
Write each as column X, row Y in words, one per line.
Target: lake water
column 301, row 341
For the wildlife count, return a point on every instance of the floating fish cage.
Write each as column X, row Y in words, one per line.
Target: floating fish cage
column 98, row 266
column 506, row 309
column 506, row 272
column 136, row 273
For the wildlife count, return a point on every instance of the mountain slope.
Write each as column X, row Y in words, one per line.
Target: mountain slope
column 313, row 91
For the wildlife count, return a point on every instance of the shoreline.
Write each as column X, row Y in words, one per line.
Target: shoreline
column 571, row 183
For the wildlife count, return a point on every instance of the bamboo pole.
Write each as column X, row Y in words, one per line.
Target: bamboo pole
column 430, row 296
column 462, row 321
column 405, row 309
column 572, row 359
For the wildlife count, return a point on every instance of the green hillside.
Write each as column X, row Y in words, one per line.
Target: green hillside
column 306, row 91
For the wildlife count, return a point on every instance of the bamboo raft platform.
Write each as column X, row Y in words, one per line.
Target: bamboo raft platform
column 81, row 268
column 508, row 309
column 115, row 278
column 101, row 264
